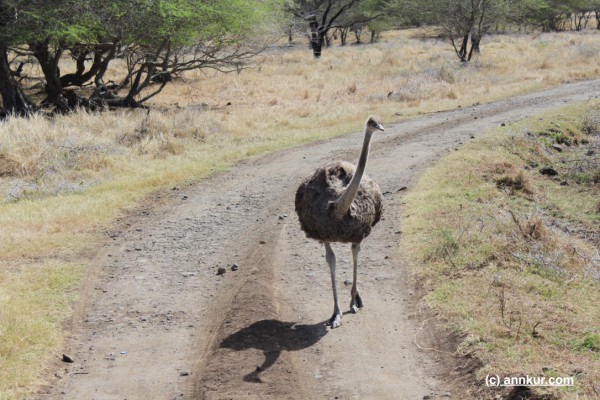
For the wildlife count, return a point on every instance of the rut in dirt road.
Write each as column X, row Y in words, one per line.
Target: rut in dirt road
column 156, row 321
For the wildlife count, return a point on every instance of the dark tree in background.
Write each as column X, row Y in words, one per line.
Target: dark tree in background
column 558, row 15
column 465, row 22
column 320, row 15
column 368, row 14
column 377, row 18
column 339, row 17
column 15, row 101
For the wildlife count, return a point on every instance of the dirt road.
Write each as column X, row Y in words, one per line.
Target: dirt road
column 156, row 321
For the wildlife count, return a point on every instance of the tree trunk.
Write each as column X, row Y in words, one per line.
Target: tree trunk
column 317, row 38
column 374, row 36
column 317, row 46
column 316, row 43
column 13, row 98
column 343, row 35
column 471, row 51
column 581, row 19
column 357, row 29
column 49, row 64
column 462, row 52
column 475, row 39
column 80, row 77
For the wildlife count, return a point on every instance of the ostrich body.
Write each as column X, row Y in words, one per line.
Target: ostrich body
column 339, row 203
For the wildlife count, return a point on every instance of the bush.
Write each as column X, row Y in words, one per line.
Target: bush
column 590, row 122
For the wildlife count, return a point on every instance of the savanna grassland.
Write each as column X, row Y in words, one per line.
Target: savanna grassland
column 63, row 180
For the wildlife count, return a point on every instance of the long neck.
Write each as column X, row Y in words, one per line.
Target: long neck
column 345, row 200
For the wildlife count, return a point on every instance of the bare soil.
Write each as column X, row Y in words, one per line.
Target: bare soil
column 155, row 320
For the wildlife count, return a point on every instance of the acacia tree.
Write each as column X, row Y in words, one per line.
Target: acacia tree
column 463, row 22
column 158, row 39
column 548, row 15
column 14, row 100
column 44, row 30
column 466, row 23
column 554, row 15
column 377, row 19
column 321, row 16
column 191, row 35
column 582, row 10
column 368, row 13
column 348, row 22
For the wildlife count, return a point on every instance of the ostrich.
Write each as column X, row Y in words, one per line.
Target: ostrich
column 339, row 203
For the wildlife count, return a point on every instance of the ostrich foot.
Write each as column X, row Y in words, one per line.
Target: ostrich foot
column 356, row 302
column 335, row 320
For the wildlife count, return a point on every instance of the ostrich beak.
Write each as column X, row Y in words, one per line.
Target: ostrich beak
column 378, row 126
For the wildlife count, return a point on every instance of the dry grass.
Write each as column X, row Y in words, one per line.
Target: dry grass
column 403, row 73
column 61, row 180
column 512, row 256
column 34, row 301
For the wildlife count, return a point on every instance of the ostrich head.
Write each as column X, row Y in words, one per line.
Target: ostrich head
column 373, row 124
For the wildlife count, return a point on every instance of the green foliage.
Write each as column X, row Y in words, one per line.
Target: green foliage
column 143, row 21
column 58, row 22
column 185, row 22
column 376, row 9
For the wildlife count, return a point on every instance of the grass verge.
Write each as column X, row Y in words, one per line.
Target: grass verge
column 511, row 255
column 34, row 301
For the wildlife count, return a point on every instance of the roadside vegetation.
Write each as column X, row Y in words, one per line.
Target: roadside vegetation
column 505, row 233
column 64, row 179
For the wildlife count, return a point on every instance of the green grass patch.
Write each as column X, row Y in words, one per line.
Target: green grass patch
column 588, row 343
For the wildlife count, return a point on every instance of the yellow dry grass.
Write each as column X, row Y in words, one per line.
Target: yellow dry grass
column 504, row 250
column 62, row 180
column 403, row 73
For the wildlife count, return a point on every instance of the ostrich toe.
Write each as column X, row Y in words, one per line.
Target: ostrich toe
column 356, row 302
column 335, row 320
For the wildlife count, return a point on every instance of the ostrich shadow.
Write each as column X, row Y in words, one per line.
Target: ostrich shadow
column 272, row 337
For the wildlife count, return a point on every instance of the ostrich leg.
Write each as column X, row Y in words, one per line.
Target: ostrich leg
column 336, row 318
column 356, row 301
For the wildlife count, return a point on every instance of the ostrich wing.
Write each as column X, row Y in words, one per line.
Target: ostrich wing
column 316, row 195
